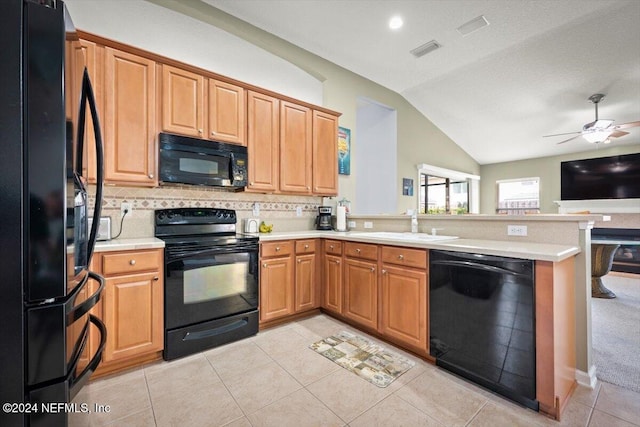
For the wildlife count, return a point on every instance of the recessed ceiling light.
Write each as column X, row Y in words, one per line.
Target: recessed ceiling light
column 396, row 22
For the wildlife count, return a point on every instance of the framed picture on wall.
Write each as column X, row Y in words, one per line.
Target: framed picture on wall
column 407, row 187
column 344, row 151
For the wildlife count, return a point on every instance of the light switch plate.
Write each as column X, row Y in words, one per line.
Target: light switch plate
column 368, row 224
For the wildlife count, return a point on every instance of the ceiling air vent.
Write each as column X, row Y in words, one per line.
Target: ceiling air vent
column 425, row 48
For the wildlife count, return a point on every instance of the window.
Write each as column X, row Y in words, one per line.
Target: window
column 440, row 195
column 518, row 196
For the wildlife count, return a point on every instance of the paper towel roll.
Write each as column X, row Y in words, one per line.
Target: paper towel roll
column 341, row 218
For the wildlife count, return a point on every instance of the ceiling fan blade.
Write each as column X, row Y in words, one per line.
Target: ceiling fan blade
column 560, row 134
column 618, row 134
column 627, row 125
column 567, row 140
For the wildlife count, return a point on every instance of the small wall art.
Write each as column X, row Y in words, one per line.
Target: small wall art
column 344, row 151
column 407, row 187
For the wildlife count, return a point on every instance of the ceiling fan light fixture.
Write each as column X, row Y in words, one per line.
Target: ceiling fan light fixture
column 598, row 124
column 597, row 136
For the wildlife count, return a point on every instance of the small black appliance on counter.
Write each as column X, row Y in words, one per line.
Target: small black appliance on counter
column 323, row 220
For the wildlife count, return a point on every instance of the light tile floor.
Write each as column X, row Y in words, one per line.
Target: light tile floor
column 274, row 379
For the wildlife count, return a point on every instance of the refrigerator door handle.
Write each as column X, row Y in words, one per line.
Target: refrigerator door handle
column 88, row 97
column 77, row 382
column 81, row 309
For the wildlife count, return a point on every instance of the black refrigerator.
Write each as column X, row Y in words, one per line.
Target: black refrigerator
column 46, row 288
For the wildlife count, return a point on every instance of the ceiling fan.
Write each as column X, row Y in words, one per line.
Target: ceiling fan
column 599, row 130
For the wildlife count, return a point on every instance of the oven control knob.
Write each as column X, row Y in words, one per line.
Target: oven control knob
column 170, row 215
column 161, row 216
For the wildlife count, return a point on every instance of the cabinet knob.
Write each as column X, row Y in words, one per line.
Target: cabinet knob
column 277, row 248
column 337, row 261
column 132, row 262
column 150, row 176
column 251, row 183
column 384, row 271
column 306, row 246
column 400, row 257
column 264, row 265
column 200, row 131
column 373, row 269
column 299, row 261
column 308, row 188
column 358, row 250
column 331, row 247
column 213, row 133
column 155, row 279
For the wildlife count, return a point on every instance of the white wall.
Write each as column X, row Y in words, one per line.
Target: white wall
column 162, row 31
column 376, row 159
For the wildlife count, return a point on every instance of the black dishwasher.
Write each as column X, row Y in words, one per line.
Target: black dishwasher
column 482, row 321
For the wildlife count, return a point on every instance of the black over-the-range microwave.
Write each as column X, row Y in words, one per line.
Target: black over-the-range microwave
column 185, row 160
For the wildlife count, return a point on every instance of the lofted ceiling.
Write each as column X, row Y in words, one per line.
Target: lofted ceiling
column 496, row 91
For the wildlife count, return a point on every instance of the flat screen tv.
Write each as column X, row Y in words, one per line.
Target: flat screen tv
column 615, row 177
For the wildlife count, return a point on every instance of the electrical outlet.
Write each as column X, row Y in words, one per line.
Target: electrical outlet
column 368, row 224
column 516, row 230
column 256, row 209
column 298, row 211
column 124, row 206
column 352, row 224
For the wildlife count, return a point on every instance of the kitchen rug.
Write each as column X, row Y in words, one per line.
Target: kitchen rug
column 363, row 357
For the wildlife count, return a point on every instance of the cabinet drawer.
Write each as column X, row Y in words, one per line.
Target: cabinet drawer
column 305, row 246
column 333, row 247
column 282, row 248
column 131, row 262
column 361, row 250
column 404, row 256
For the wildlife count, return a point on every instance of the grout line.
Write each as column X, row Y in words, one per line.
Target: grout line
column 146, row 382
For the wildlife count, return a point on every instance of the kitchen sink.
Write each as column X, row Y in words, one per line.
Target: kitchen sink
column 421, row 237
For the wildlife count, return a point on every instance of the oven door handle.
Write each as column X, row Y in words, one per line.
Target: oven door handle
column 177, row 254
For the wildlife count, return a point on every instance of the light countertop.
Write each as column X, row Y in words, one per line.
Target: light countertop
column 525, row 250
column 129, row 244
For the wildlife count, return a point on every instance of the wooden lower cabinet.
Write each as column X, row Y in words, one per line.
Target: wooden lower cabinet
column 404, row 315
column 305, row 283
column 332, row 283
column 133, row 314
column 131, row 307
column 276, row 288
column 361, row 292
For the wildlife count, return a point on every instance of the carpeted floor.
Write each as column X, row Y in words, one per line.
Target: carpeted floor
column 616, row 332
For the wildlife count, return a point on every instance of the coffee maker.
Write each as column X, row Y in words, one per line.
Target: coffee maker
column 323, row 220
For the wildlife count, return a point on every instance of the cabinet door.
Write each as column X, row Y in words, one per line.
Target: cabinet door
column 263, row 142
column 130, row 119
column 133, row 312
column 227, row 112
column 361, row 292
column 295, row 148
column 404, row 306
column 276, row 288
column 332, row 283
column 182, row 102
column 325, row 154
column 90, row 55
column 305, row 282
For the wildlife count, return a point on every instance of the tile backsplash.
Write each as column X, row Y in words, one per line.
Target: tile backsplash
column 274, row 208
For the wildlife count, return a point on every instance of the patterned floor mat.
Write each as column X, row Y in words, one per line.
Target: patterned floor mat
column 363, row 357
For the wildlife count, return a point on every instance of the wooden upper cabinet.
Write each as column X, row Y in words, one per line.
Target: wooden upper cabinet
column 295, row 148
column 87, row 54
column 227, row 112
column 129, row 118
column 183, row 101
column 325, row 153
column 263, row 141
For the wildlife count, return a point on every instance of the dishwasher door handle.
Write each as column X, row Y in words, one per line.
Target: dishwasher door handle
column 477, row 266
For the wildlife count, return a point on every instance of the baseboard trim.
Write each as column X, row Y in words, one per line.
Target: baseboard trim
column 587, row 379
